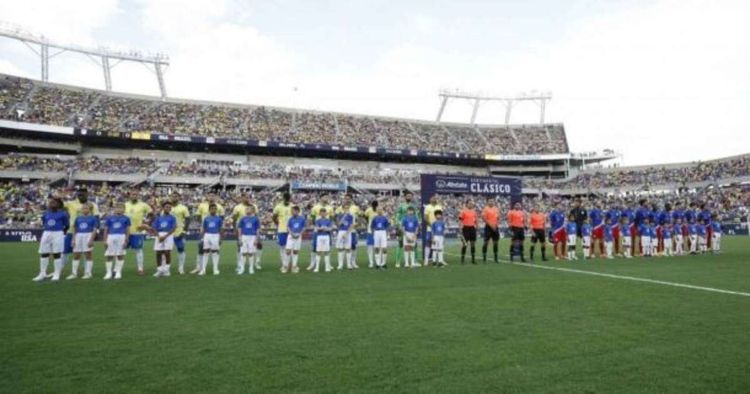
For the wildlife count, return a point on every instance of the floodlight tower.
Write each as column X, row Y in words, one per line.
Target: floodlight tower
column 477, row 99
column 101, row 56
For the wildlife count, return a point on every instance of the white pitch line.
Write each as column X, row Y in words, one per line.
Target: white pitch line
column 623, row 277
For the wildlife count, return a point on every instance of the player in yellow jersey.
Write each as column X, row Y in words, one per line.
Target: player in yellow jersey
column 356, row 213
column 370, row 214
column 139, row 214
column 74, row 209
column 239, row 211
column 281, row 214
column 202, row 212
column 315, row 215
column 429, row 218
column 182, row 214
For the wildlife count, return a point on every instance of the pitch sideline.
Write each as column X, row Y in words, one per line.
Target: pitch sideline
column 622, row 277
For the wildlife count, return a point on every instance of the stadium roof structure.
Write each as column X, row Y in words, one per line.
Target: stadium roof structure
column 104, row 57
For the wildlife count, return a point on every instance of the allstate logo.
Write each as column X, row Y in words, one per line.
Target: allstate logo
column 51, row 222
column 84, row 226
column 116, row 225
column 440, row 183
column 163, row 225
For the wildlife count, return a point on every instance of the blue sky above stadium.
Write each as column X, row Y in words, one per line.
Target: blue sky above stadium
column 656, row 80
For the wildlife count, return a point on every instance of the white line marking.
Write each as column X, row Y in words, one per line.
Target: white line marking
column 623, row 277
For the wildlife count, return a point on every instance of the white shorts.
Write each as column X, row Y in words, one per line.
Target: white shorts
column 626, row 240
column 716, row 236
column 571, row 239
column 678, row 238
column 115, row 245
column 410, row 239
column 165, row 246
column 668, row 242
column 437, row 242
column 701, row 240
column 210, row 242
column 380, row 239
column 294, row 243
column 343, row 240
column 52, row 242
column 323, row 243
column 82, row 242
column 586, row 240
column 645, row 241
column 248, row 245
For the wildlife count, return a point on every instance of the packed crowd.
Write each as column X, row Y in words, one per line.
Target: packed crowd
column 651, row 176
column 255, row 169
column 30, row 101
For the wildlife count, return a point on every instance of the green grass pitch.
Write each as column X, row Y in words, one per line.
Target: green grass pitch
column 485, row 328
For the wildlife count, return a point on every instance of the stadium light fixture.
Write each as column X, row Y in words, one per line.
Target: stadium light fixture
column 477, row 98
column 102, row 56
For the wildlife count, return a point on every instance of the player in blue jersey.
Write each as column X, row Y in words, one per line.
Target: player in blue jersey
column 380, row 226
column 557, row 231
column 295, row 227
column 162, row 228
column 644, row 231
column 693, row 237
column 247, row 233
column 666, row 233
column 84, row 233
column 627, row 239
column 571, row 228
column 705, row 214
column 55, row 221
column 586, row 238
column 629, row 215
column 677, row 236
column 438, row 238
column 211, row 236
column 322, row 234
column 613, row 214
column 116, row 236
column 410, row 227
column 345, row 227
column 702, row 236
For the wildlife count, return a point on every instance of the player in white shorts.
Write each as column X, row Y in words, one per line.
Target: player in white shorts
column 247, row 234
column 295, row 227
column 163, row 227
column 323, row 228
column 85, row 229
column 380, row 226
column 410, row 225
column 55, row 221
column 344, row 237
column 438, row 238
column 116, row 233
column 211, row 235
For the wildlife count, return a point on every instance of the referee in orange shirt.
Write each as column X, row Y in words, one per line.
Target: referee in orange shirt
column 468, row 222
column 491, row 218
column 517, row 223
column 538, row 221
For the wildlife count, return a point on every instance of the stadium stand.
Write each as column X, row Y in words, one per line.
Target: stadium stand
column 37, row 102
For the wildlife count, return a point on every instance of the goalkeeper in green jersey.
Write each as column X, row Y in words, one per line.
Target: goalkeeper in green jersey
column 401, row 213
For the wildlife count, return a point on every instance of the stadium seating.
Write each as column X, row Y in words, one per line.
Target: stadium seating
column 674, row 175
column 37, row 102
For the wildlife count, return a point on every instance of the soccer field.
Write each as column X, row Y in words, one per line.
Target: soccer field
column 484, row 328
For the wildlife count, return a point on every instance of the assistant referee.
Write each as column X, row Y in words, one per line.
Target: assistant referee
column 468, row 222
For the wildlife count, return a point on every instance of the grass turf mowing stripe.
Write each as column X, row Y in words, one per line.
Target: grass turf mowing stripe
column 623, row 277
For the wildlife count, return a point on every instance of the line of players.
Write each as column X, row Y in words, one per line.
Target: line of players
column 668, row 231
column 71, row 227
column 644, row 231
